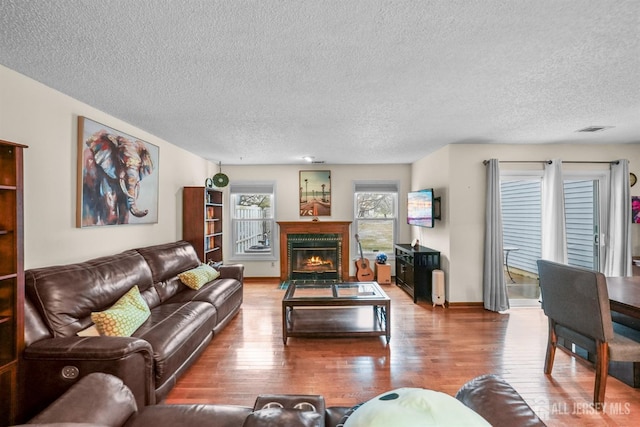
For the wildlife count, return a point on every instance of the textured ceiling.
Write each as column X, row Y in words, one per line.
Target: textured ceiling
column 346, row 81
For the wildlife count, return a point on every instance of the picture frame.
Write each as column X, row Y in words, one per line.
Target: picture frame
column 315, row 193
column 635, row 209
column 118, row 177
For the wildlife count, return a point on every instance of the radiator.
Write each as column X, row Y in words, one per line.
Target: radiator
column 437, row 287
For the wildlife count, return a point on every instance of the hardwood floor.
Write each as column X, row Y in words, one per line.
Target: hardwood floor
column 433, row 348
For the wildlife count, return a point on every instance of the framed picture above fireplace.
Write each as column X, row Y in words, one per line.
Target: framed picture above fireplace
column 315, row 193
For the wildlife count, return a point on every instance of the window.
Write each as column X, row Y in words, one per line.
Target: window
column 252, row 220
column 376, row 216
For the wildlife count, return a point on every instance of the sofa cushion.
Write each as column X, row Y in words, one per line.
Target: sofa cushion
column 175, row 330
column 96, row 399
column 66, row 295
column 124, row 317
column 224, row 294
column 190, row 415
column 170, row 259
column 498, row 402
column 197, row 277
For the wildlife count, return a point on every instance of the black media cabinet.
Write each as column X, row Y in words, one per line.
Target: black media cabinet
column 414, row 268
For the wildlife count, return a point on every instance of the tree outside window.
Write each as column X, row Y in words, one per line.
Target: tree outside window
column 376, row 220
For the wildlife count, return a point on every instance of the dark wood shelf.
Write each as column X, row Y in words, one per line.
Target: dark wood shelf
column 11, row 277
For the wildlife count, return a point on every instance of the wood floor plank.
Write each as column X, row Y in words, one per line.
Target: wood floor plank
column 434, row 348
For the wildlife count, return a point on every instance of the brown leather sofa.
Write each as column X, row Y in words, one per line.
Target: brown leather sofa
column 101, row 399
column 59, row 302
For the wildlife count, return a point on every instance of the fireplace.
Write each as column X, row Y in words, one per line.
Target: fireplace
column 314, row 256
column 314, row 250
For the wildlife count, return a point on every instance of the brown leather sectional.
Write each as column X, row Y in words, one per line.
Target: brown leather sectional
column 59, row 302
column 104, row 400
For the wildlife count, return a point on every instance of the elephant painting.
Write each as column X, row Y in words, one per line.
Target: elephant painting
column 113, row 167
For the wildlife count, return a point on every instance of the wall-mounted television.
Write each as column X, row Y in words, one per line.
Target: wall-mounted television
column 422, row 208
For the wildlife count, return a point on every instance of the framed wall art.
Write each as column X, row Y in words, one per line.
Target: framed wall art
column 117, row 177
column 315, row 193
column 635, row 210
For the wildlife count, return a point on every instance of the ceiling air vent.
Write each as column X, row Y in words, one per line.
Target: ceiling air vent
column 594, row 128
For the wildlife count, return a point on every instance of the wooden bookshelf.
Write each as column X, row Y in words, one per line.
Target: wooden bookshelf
column 11, row 277
column 202, row 222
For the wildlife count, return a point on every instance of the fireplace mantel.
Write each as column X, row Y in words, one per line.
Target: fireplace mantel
column 313, row 227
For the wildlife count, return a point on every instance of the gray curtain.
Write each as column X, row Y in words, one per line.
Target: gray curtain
column 494, row 287
column 554, row 234
column 618, row 242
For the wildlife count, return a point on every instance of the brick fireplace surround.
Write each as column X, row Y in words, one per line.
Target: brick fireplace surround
column 313, row 227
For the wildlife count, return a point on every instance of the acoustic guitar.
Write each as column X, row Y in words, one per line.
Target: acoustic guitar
column 363, row 270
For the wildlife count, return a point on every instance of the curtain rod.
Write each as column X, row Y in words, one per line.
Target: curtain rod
column 615, row 162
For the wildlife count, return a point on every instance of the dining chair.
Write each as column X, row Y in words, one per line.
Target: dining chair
column 576, row 302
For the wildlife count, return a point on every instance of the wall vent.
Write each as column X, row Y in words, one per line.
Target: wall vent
column 594, row 128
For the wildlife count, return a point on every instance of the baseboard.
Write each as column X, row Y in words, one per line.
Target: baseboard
column 262, row 280
column 464, row 304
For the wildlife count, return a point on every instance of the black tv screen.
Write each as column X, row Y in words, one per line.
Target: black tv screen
column 420, row 208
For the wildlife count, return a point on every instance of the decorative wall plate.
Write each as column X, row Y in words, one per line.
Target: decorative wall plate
column 632, row 179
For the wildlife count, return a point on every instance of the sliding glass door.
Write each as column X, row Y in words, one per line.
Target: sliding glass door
column 584, row 195
column 582, row 222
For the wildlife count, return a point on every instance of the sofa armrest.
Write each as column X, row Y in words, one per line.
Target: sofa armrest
column 497, row 402
column 100, row 348
column 52, row 366
column 232, row 271
column 96, row 399
column 334, row 414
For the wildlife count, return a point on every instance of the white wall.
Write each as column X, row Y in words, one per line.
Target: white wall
column 46, row 121
column 287, row 193
column 460, row 235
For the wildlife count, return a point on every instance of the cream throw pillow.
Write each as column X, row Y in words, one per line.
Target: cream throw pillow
column 199, row 276
column 124, row 317
column 90, row 331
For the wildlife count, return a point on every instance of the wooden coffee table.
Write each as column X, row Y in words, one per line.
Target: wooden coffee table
column 335, row 309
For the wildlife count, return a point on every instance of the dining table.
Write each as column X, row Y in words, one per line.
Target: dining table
column 624, row 298
column 624, row 295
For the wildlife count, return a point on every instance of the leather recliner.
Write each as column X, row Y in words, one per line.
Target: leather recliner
column 104, row 400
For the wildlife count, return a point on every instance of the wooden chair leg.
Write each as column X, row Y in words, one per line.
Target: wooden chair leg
column 552, row 342
column 602, row 370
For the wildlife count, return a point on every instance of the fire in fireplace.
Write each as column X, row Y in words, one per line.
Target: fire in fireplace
column 314, row 259
column 314, row 256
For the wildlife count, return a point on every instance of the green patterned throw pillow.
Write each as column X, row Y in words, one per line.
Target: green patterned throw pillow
column 197, row 277
column 124, row 317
